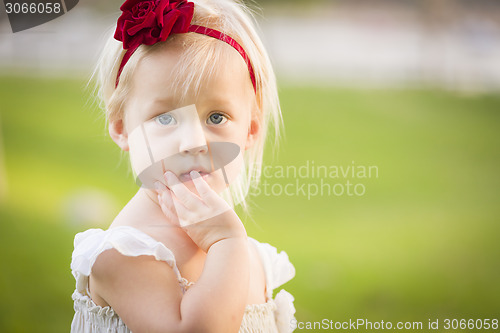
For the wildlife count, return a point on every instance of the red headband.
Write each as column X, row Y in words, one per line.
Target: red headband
column 151, row 21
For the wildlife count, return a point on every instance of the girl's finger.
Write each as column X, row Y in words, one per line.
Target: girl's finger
column 159, row 187
column 167, row 199
column 168, row 207
column 166, row 210
column 204, row 190
column 181, row 192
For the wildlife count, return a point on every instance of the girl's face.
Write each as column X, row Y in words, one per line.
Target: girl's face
column 206, row 133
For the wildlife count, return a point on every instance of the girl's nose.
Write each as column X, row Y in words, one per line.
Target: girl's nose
column 195, row 150
column 193, row 139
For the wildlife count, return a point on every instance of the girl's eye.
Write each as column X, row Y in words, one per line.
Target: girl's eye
column 216, row 119
column 165, row 120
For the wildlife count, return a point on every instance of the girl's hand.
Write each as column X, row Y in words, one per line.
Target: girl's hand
column 205, row 217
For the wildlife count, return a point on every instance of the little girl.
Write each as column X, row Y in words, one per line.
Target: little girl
column 190, row 93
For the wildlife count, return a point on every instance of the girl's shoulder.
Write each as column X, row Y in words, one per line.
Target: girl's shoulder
column 130, row 241
column 127, row 240
column 277, row 265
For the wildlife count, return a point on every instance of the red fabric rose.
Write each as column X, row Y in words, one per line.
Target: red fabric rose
column 152, row 21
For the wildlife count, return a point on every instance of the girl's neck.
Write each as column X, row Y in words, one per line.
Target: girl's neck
column 142, row 211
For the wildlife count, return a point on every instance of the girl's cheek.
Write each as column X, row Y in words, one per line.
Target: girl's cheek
column 138, row 151
column 225, row 133
column 164, row 145
column 149, row 145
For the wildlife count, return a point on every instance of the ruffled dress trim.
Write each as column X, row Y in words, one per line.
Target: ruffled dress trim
column 274, row 316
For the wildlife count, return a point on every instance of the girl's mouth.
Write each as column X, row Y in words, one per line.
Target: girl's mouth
column 186, row 176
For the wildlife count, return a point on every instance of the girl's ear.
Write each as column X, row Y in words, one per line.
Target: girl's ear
column 253, row 133
column 119, row 134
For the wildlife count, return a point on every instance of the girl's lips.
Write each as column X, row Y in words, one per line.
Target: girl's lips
column 184, row 177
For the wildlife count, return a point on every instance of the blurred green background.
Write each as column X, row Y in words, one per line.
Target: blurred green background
column 421, row 243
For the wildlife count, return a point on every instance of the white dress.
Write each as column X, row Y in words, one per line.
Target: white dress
column 276, row 315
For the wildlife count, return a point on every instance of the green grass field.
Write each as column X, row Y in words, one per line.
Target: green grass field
column 420, row 243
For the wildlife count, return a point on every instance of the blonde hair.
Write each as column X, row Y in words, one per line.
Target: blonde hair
column 201, row 56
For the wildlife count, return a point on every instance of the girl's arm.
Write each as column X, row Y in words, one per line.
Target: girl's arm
column 146, row 295
column 145, row 292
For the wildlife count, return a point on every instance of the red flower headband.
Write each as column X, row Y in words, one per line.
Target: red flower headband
column 152, row 21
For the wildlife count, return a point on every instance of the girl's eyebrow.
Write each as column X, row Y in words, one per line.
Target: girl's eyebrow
column 162, row 101
column 219, row 100
column 161, row 105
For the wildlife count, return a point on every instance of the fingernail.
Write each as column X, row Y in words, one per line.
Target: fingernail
column 157, row 186
column 194, row 174
column 168, row 176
